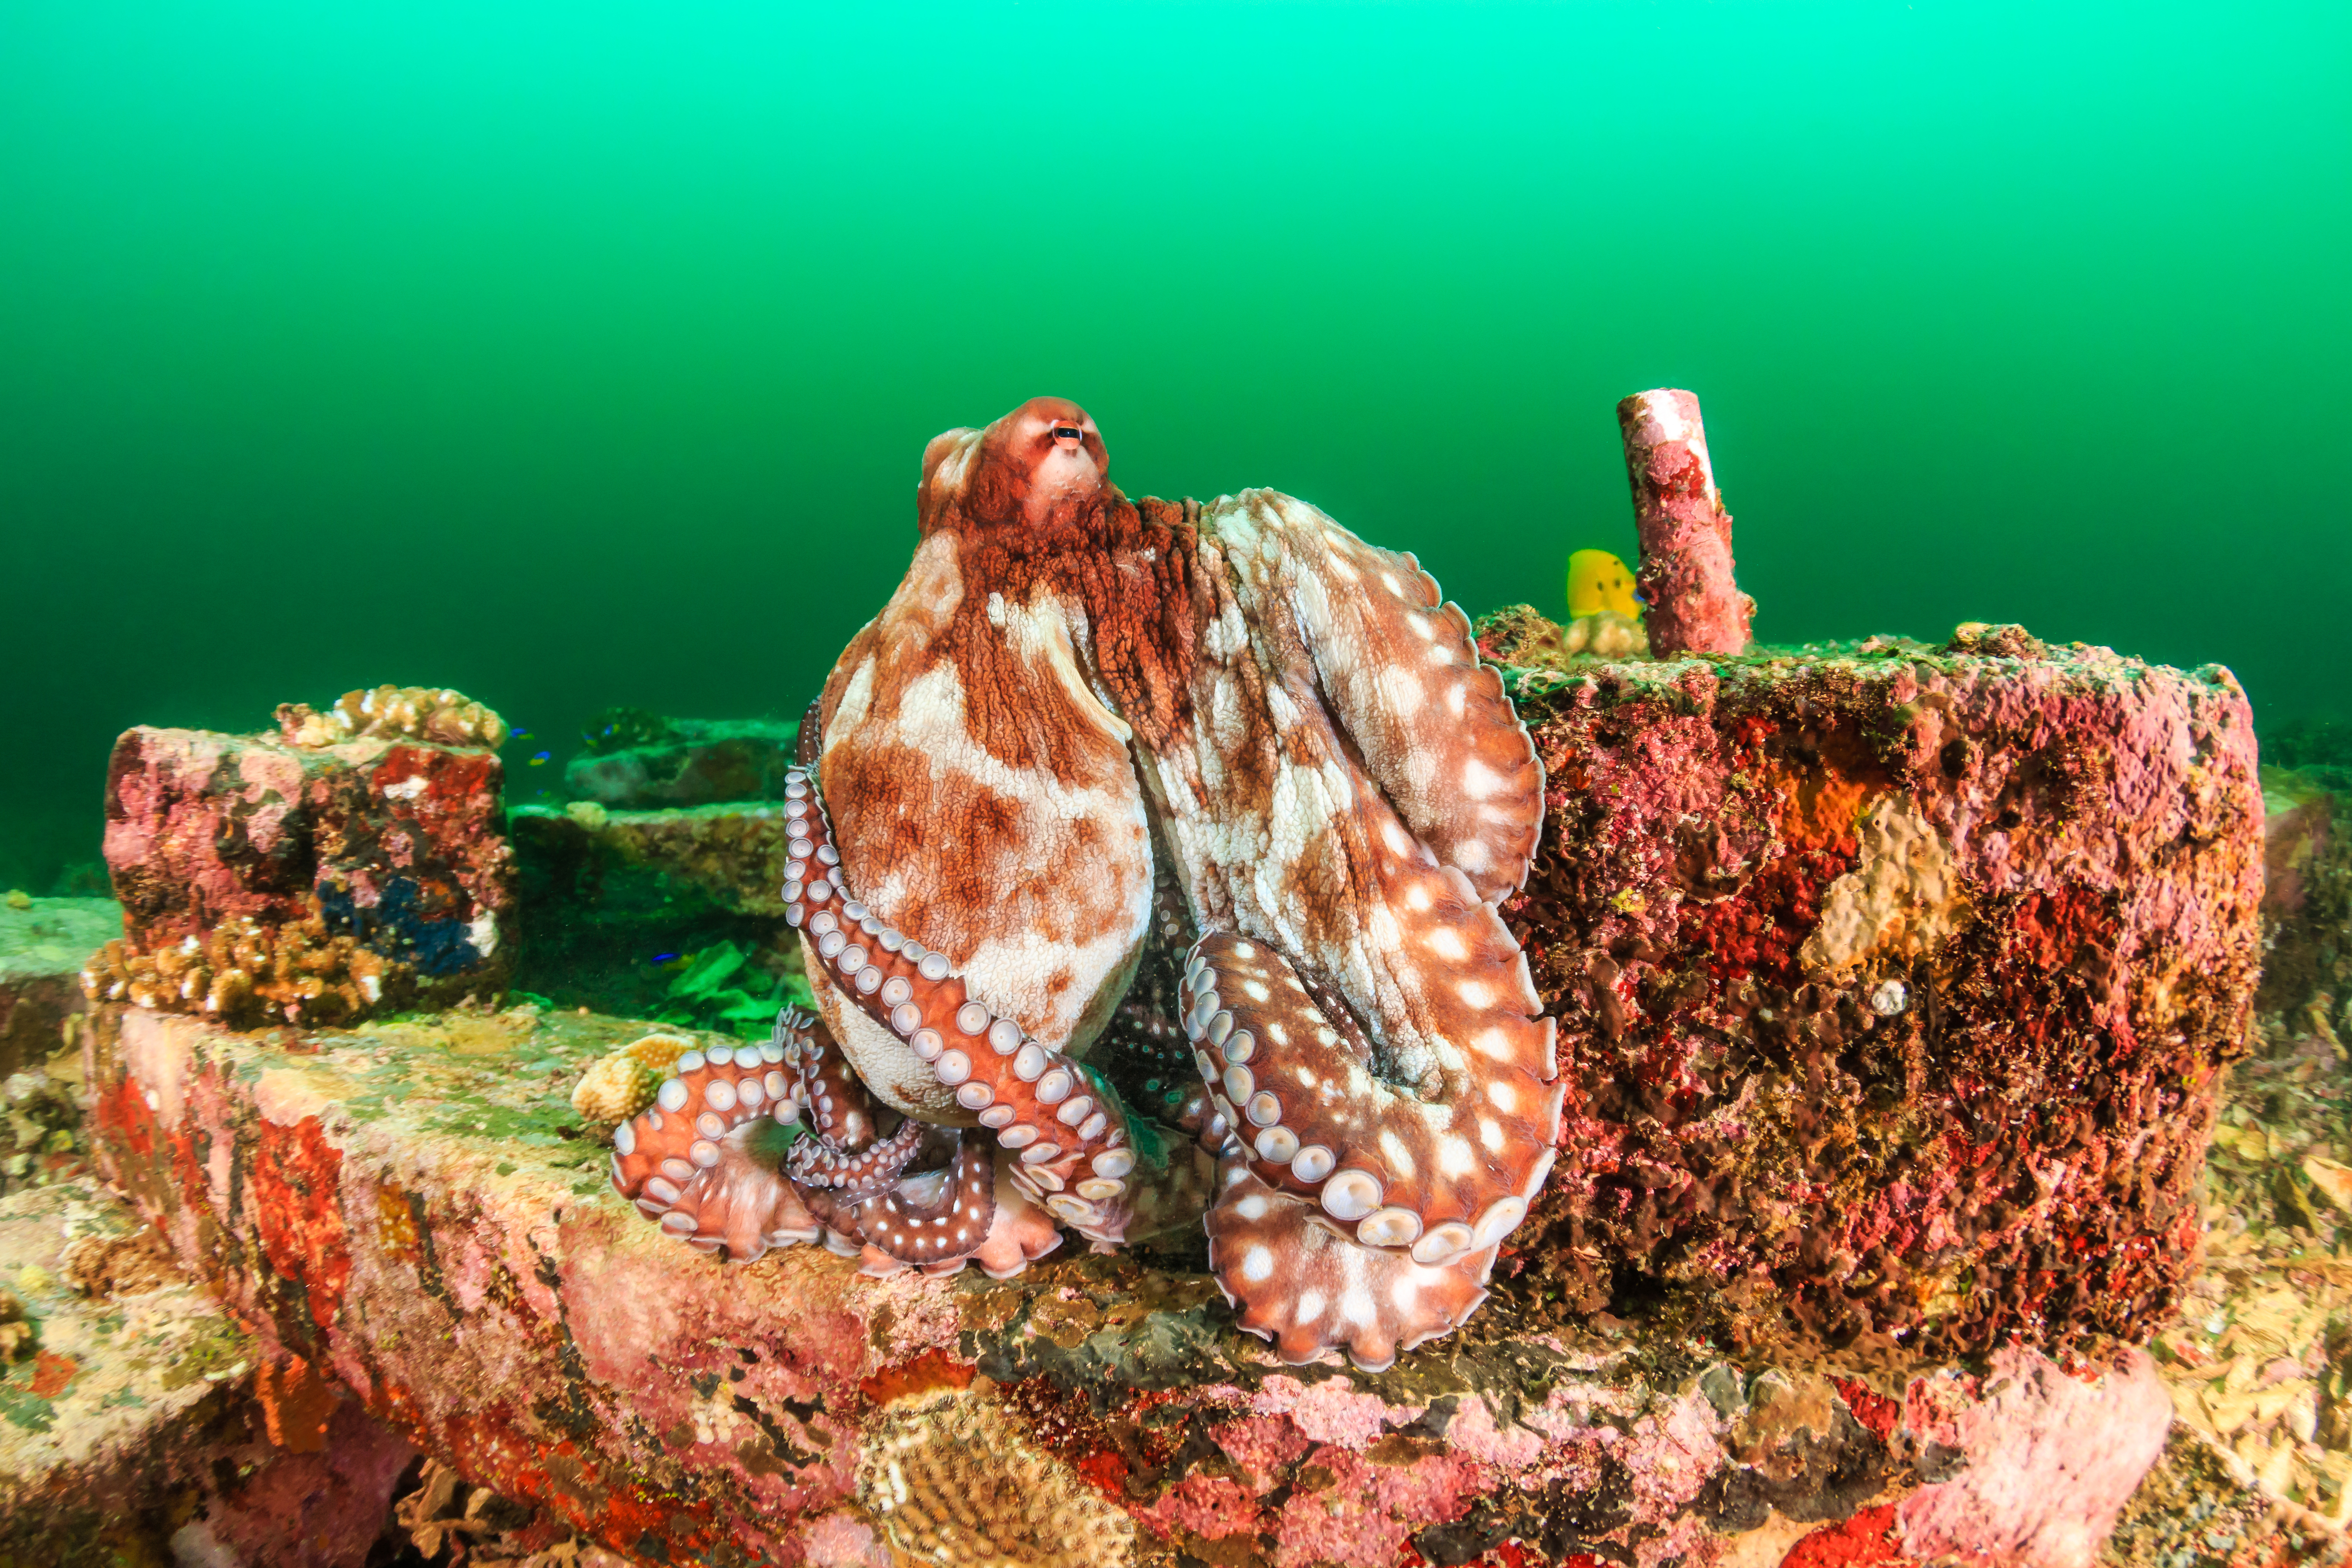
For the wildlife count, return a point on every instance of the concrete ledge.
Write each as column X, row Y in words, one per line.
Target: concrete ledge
column 414, row 1208
column 141, row 1424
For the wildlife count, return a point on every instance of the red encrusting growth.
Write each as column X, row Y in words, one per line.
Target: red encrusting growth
column 1866, row 1541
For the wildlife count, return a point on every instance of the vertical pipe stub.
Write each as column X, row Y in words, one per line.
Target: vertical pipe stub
column 1685, row 572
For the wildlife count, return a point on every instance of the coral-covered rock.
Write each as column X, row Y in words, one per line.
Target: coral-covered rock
column 414, row 1208
column 645, row 762
column 43, row 943
column 394, row 712
column 1894, row 984
column 264, row 881
column 131, row 1427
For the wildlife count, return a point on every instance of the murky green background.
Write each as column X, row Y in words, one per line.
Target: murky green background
column 576, row 354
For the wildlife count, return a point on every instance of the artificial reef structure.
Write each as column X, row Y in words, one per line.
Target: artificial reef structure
column 1412, row 1090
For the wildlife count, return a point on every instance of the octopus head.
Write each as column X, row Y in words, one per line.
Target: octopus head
column 1041, row 470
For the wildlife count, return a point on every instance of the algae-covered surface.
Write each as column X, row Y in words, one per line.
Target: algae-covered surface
column 492, row 1087
column 2261, row 1359
column 123, row 1353
column 53, row 936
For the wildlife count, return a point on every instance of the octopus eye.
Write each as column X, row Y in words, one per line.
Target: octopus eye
column 1068, row 433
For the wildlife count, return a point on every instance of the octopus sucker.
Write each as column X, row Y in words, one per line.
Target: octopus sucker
column 1210, row 804
column 1310, row 1290
column 700, row 1170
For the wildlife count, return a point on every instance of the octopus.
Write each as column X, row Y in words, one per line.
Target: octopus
column 1147, row 858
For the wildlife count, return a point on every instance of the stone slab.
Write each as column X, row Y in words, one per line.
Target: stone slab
column 413, row 1207
column 43, row 946
column 685, row 761
column 735, row 852
column 131, row 1430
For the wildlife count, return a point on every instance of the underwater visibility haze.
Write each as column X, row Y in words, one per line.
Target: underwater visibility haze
column 1322, row 980
column 582, row 355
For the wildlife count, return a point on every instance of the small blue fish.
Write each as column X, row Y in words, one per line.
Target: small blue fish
column 665, row 957
column 539, row 759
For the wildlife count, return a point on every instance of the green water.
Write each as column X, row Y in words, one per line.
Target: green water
column 578, row 354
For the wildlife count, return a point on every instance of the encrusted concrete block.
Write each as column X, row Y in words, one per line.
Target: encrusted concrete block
column 131, row 1430
column 43, row 946
column 684, row 762
column 734, row 852
column 415, row 1208
column 1894, row 983
column 264, row 880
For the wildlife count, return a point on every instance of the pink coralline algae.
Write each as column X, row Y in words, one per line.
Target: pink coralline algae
column 1685, row 574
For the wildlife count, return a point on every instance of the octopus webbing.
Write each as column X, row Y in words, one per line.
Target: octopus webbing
column 1216, row 803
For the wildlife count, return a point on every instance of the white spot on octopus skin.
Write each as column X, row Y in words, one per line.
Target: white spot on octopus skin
column 1455, row 1157
column 1479, row 781
column 1494, row 1044
column 1505, row 1098
column 1257, row 1263
column 1447, row 944
column 1474, row 994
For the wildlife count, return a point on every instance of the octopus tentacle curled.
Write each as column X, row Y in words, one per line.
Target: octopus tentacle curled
column 1109, row 788
column 688, row 1160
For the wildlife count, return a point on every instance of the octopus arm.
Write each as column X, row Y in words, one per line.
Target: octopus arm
column 938, row 1217
column 1399, row 672
column 970, row 1213
column 689, row 1160
column 1070, row 1139
column 1295, row 1283
column 1437, row 1176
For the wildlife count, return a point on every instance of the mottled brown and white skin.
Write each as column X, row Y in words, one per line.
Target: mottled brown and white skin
column 1082, row 724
